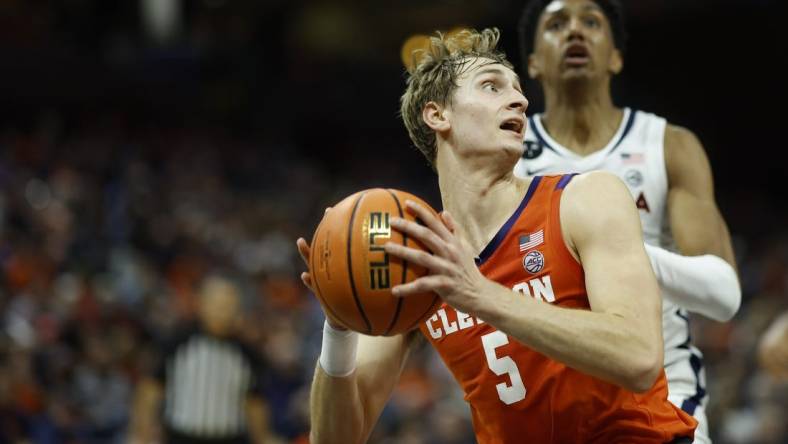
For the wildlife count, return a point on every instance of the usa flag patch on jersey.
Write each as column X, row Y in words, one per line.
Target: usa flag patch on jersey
column 528, row 241
column 632, row 158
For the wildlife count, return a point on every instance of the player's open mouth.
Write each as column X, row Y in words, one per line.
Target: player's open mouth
column 576, row 55
column 515, row 125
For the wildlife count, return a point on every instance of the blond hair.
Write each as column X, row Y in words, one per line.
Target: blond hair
column 434, row 78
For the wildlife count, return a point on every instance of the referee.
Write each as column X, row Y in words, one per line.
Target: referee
column 208, row 382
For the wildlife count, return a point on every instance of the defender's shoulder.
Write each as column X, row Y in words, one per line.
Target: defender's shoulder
column 679, row 138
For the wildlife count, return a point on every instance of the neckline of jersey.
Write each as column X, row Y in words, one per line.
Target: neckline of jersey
column 627, row 121
column 492, row 246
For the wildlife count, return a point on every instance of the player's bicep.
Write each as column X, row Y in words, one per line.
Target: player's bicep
column 695, row 221
column 604, row 227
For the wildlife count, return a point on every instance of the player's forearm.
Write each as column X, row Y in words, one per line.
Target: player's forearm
column 337, row 413
column 706, row 284
column 626, row 352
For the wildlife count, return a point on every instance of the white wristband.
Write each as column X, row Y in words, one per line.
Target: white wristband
column 338, row 355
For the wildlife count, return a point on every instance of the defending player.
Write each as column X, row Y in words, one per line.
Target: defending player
column 573, row 48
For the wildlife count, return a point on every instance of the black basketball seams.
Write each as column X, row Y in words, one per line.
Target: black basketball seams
column 395, row 318
column 350, row 263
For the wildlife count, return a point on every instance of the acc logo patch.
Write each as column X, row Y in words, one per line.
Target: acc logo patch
column 634, row 178
column 533, row 262
column 532, row 149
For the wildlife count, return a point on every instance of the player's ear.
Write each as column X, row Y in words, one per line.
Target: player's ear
column 534, row 66
column 435, row 117
column 616, row 62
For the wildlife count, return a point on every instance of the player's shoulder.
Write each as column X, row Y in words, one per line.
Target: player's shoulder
column 594, row 184
column 590, row 194
column 680, row 138
column 683, row 151
column 592, row 203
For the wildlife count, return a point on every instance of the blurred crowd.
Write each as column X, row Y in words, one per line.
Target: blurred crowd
column 105, row 234
column 110, row 217
column 106, row 229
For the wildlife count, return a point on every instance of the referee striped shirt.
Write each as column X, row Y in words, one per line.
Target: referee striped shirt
column 206, row 382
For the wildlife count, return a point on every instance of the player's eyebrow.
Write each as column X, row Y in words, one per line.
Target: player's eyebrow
column 495, row 70
column 592, row 7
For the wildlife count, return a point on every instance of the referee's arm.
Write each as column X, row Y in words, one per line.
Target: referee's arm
column 145, row 422
column 257, row 420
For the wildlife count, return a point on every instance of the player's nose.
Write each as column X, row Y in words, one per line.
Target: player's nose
column 518, row 102
column 575, row 29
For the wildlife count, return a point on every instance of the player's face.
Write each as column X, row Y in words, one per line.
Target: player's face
column 573, row 40
column 488, row 109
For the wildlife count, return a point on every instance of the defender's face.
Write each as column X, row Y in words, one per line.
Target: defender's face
column 573, row 40
column 488, row 108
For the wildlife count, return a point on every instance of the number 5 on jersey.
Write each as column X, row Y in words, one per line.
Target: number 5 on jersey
column 509, row 394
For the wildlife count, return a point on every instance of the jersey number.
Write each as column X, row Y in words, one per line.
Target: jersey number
column 509, row 394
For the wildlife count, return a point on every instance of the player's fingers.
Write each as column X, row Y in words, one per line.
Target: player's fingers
column 306, row 278
column 424, row 284
column 428, row 237
column 431, row 262
column 448, row 220
column 333, row 322
column 459, row 246
column 303, row 250
column 429, row 219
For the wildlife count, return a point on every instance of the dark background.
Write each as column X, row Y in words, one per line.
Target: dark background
column 131, row 165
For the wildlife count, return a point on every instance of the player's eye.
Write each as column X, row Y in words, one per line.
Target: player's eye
column 591, row 22
column 489, row 86
column 555, row 25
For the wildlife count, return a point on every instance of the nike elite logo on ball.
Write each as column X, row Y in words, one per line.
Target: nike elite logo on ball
column 354, row 275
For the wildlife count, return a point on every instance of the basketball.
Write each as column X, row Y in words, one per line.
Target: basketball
column 353, row 275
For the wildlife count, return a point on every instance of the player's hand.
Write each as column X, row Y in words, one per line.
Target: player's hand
column 304, row 251
column 452, row 271
column 773, row 348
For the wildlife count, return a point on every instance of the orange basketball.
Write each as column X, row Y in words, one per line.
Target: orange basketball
column 353, row 275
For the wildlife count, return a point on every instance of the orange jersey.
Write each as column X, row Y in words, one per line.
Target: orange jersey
column 518, row 395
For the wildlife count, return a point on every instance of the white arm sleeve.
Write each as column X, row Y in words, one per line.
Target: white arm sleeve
column 705, row 284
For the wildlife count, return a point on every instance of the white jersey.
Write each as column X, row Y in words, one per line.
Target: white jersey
column 636, row 155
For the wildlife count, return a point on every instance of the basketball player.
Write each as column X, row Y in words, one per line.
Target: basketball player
column 547, row 350
column 573, row 48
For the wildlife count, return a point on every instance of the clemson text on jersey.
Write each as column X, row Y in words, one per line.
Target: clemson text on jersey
column 439, row 324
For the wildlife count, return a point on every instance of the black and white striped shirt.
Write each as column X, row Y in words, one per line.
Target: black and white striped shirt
column 206, row 382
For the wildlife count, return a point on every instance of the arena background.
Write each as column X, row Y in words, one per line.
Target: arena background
column 144, row 144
